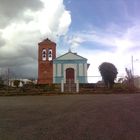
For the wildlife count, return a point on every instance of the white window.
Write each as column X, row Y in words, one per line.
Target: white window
column 44, row 55
column 50, row 54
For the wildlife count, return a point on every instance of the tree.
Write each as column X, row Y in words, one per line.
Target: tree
column 108, row 72
column 129, row 79
column 16, row 83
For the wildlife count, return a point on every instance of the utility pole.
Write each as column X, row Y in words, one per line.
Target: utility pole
column 132, row 61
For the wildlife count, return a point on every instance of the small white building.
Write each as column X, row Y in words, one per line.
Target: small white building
column 70, row 67
column 21, row 83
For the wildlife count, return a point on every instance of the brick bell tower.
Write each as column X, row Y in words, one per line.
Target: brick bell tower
column 46, row 55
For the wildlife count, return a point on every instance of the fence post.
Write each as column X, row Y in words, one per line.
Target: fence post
column 77, row 86
column 62, row 86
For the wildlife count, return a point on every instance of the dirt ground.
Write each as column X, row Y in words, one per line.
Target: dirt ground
column 70, row 117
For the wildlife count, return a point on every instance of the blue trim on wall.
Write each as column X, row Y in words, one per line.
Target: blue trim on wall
column 58, row 79
column 82, row 79
column 69, row 61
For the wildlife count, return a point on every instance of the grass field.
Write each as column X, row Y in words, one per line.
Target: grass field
column 70, row 117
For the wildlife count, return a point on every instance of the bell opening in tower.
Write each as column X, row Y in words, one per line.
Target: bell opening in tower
column 44, row 56
column 50, row 54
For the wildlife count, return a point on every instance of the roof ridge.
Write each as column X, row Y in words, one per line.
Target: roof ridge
column 69, row 53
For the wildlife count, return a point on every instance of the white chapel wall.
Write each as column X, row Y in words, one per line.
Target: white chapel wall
column 85, row 69
column 59, row 70
column 81, row 71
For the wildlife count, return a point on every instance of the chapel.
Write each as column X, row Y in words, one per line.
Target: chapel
column 69, row 67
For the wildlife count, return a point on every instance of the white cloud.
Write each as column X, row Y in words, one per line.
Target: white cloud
column 20, row 36
column 74, row 41
column 54, row 20
column 117, row 48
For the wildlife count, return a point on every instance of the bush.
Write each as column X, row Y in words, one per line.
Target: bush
column 49, row 87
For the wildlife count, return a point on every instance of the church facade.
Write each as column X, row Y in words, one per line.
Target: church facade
column 69, row 67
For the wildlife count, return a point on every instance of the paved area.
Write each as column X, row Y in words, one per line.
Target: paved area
column 70, row 117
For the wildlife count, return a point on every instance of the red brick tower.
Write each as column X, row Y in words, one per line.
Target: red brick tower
column 46, row 54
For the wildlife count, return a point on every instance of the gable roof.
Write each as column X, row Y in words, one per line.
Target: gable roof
column 70, row 56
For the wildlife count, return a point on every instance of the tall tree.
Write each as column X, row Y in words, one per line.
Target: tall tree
column 108, row 72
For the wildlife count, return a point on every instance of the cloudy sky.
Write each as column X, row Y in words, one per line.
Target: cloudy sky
column 101, row 31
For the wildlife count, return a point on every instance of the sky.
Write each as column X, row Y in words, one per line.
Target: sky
column 101, row 31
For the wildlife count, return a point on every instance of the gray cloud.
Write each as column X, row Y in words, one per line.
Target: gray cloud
column 24, row 71
column 10, row 10
column 22, row 59
column 20, row 67
column 2, row 41
column 21, row 26
column 22, row 55
column 21, row 71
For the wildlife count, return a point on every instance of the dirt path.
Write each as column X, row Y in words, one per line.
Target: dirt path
column 70, row 117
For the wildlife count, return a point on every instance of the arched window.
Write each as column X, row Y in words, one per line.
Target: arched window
column 44, row 55
column 50, row 54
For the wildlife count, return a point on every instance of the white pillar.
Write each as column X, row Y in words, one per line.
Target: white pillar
column 77, row 86
column 62, row 85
